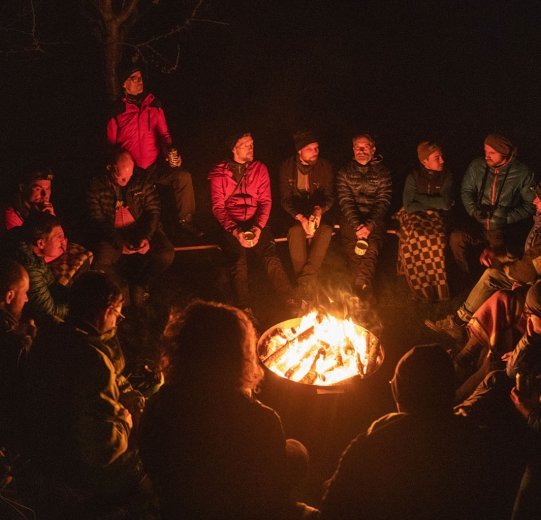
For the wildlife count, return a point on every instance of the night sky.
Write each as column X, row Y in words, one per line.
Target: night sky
column 405, row 71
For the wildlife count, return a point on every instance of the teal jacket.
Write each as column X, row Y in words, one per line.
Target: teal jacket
column 507, row 190
column 425, row 189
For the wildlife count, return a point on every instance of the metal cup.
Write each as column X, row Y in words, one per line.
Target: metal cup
column 249, row 237
column 361, row 247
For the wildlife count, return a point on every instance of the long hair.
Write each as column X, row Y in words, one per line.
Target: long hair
column 213, row 345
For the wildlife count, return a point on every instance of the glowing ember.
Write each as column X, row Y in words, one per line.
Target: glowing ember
column 320, row 350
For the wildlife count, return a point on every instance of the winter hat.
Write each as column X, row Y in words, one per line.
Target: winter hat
column 501, row 144
column 232, row 138
column 425, row 149
column 127, row 67
column 424, row 379
column 533, row 299
column 303, row 138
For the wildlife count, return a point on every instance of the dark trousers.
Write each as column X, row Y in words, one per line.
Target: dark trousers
column 237, row 260
column 139, row 269
column 181, row 183
column 363, row 267
column 307, row 255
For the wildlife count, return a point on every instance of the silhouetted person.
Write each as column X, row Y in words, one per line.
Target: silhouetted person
column 210, row 448
column 421, row 462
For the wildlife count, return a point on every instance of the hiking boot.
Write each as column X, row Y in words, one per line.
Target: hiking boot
column 449, row 326
column 190, row 228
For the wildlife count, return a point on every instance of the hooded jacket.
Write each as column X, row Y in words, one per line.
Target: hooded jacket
column 364, row 192
column 233, row 202
column 506, row 189
column 141, row 130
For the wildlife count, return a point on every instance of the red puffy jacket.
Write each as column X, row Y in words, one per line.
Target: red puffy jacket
column 250, row 200
column 142, row 130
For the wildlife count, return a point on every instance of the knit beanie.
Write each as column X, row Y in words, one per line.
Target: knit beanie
column 127, row 67
column 533, row 299
column 501, row 144
column 233, row 137
column 303, row 138
column 425, row 149
column 424, row 379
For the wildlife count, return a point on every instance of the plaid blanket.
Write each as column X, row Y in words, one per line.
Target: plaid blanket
column 422, row 240
column 66, row 266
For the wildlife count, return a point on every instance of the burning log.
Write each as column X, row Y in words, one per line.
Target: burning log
column 274, row 355
column 328, row 350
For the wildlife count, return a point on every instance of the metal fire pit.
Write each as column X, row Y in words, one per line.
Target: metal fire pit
column 373, row 359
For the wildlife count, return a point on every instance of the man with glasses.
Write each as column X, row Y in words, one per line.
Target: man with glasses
column 364, row 194
column 79, row 411
column 138, row 125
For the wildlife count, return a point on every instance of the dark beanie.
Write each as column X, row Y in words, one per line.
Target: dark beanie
column 425, row 149
column 533, row 299
column 233, row 137
column 128, row 67
column 424, row 379
column 501, row 144
column 304, row 138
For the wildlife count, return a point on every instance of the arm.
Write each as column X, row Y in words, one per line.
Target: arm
column 408, row 196
column 526, row 208
column 383, row 200
column 327, row 185
column 41, row 299
column 218, row 198
column 526, row 355
column 102, row 425
column 469, row 190
column 162, row 131
column 99, row 222
column 286, row 190
column 264, row 197
column 112, row 131
column 11, row 219
column 346, row 199
column 151, row 210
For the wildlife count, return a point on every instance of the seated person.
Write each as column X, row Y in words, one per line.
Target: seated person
column 219, row 453
column 77, row 424
column 34, row 194
column 124, row 227
column 150, row 144
column 306, row 190
column 40, row 236
column 241, row 202
column 423, row 220
column 16, row 336
column 496, row 195
column 422, row 462
column 363, row 189
column 500, row 275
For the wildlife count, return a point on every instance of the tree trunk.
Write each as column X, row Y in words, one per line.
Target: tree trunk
column 112, row 56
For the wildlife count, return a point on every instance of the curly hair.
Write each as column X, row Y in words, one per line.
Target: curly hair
column 212, row 344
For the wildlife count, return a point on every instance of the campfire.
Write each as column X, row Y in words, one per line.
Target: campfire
column 320, row 349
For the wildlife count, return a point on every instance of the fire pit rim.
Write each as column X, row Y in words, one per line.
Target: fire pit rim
column 344, row 382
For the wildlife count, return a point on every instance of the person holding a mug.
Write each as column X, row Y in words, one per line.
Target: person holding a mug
column 363, row 188
column 241, row 202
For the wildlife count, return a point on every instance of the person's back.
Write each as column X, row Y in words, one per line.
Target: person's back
column 423, row 462
column 409, row 466
column 214, row 455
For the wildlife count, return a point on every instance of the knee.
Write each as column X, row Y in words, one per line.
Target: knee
column 296, row 233
column 457, row 239
column 325, row 231
column 183, row 178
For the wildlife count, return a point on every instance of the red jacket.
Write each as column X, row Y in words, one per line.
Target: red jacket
column 140, row 130
column 250, row 200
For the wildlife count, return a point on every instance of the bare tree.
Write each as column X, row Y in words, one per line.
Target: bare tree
column 114, row 21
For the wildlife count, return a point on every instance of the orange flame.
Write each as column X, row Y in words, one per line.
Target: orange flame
column 320, row 349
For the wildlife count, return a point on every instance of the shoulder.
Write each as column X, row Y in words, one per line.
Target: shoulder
column 219, row 170
column 476, row 166
column 287, row 166
column 152, row 101
column 258, row 168
column 520, row 168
